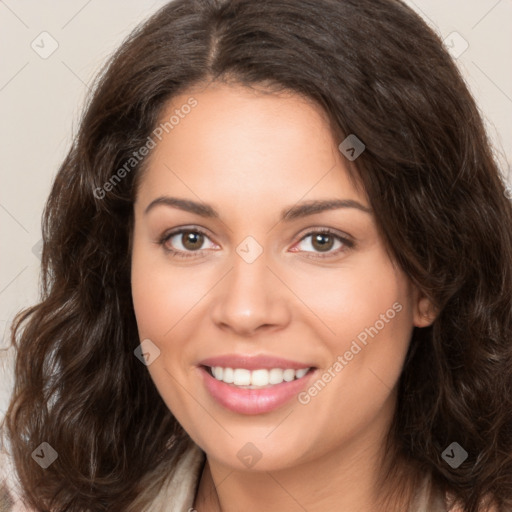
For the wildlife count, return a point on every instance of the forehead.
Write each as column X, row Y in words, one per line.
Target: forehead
column 242, row 143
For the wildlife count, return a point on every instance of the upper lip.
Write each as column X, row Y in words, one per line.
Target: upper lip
column 253, row 362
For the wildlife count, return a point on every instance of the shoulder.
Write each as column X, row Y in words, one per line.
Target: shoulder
column 6, row 501
column 177, row 489
column 484, row 506
column 177, row 493
column 429, row 498
column 180, row 489
column 10, row 500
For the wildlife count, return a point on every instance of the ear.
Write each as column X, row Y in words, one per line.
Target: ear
column 424, row 312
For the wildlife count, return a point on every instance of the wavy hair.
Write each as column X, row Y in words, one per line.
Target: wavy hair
column 440, row 203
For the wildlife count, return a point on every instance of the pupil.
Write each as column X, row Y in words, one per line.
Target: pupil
column 321, row 240
column 195, row 239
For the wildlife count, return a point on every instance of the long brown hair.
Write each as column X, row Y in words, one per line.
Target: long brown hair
column 440, row 203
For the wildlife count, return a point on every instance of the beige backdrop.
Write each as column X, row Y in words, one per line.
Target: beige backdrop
column 50, row 50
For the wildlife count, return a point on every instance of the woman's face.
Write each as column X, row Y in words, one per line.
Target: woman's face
column 249, row 282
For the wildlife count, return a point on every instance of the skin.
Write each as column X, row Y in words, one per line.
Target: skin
column 250, row 155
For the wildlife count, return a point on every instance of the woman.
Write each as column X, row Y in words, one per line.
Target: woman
column 277, row 275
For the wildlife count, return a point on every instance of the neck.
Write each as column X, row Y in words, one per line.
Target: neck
column 350, row 478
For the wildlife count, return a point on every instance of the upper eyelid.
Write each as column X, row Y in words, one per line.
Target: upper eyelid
column 329, row 231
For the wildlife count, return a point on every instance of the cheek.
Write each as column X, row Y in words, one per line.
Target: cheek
column 162, row 294
column 356, row 296
column 162, row 299
column 369, row 310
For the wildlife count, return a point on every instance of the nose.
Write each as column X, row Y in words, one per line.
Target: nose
column 251, row 299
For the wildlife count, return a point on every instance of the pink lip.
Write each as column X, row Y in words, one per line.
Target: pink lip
column 253, row 401
column 253, row 362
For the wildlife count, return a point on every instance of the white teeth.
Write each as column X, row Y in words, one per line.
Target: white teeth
column 259, row 378
column 228, row 376
column 241, row 377
column 301, row 373
column 256, row 378
column 275, row 376
column 289, row 375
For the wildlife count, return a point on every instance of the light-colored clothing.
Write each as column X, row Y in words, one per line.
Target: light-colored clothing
column 179, row 492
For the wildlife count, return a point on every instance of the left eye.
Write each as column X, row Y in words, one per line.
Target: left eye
column 323, row 242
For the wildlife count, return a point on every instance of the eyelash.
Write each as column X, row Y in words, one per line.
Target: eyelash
column 348, row 244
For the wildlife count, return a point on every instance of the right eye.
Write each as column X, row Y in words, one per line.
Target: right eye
column 184, row 242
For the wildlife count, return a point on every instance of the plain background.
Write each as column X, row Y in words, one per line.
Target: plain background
column 41, row 97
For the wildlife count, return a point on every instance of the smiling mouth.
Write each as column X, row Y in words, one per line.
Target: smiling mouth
column 256, row 379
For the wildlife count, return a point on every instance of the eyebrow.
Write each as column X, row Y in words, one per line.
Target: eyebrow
column 287, row 214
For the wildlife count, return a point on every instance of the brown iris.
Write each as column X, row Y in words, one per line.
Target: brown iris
column 193, row 238
column 324, row 241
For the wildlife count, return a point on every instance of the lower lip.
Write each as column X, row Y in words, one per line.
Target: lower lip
column 253, row 401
